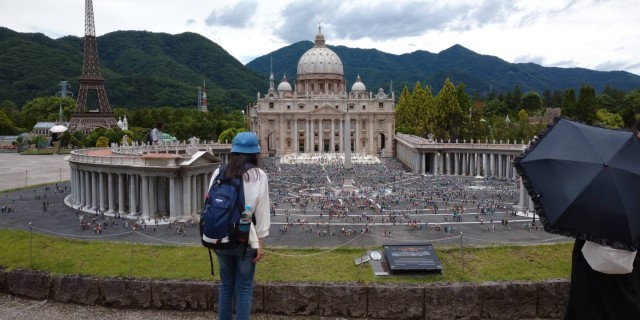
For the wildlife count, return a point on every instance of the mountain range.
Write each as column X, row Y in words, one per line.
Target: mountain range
column 145, row 69
column 480, row 73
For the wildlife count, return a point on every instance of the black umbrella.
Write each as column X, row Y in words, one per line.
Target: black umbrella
column 585, row 182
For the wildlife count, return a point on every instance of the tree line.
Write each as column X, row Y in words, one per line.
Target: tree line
column 450, row 115
column 181, row 123
column 508, row 116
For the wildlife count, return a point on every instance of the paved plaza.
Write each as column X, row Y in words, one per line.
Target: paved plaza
column 391, row 206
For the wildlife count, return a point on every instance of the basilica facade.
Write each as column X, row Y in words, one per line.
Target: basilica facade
column 310, row 117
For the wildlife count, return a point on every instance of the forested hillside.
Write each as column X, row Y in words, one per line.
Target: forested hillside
column 141, row 69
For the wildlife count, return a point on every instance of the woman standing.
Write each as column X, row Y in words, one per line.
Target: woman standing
column 238, row 265
column 156, row 134
column 55, row 142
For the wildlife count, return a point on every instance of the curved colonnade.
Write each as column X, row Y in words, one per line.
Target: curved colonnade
column 170, row 181
column 150, row 182
column 493, row 160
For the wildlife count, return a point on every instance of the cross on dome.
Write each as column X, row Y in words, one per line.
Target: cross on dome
column 320, row 43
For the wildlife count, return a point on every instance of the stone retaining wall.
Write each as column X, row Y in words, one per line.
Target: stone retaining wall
column 491, row 300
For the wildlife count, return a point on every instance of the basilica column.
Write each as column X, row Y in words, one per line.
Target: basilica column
column 294, row 136
column 82, row 187
column 121, row 193
column 153, row 196
column 474, row 164
column 111, row 194
column 341, row 137
column 173, row 198
column 186, row 195
column 313, row 136
column 145, row 197
column 72, row 184
column 307, row 136
column 72, row 180
column 194, row 192
column 447, row 163
column 79, row 187
column 456, row 165
column 357, row 137
column 102, row 185
column 133, row 194
column 333, row 136
column 282, row 135
column 492, row 164
column 95, row 190
column 161, row 194
column 372, row 144
column 88, row 184
column 464, row 164
column 485, row 171
column 320, row 136
column 512, row 170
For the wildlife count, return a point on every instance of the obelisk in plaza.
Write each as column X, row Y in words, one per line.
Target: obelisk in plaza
column 347, row 184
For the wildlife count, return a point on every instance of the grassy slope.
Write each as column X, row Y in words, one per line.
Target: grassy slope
column 108, row 259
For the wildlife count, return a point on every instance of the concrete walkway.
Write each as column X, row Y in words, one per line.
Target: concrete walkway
column 18, row 171
column 12, row 307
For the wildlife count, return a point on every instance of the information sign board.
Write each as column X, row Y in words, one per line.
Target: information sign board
column 412, row 258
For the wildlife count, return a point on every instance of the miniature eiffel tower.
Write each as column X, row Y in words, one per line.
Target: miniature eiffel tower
column 91, row 79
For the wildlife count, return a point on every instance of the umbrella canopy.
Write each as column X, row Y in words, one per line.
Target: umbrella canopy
column 585, row 182
column 58, row 128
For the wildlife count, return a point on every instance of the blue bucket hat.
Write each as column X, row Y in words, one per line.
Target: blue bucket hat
column 245, row 142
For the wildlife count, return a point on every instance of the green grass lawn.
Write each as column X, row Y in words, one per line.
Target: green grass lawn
column 109, row 259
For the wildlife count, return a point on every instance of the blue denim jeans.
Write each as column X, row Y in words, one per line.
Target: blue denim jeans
column 236, row 275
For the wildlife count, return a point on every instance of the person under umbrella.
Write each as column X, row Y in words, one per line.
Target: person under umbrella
column 605, row 282
column 584, row 183
column 55, row 143
column 56, row 133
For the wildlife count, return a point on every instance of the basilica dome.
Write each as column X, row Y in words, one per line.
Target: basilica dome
column 320, row 60
column 284, row 85
column 358, row 85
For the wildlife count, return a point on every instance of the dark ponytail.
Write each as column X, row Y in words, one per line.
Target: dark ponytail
column 239, row 164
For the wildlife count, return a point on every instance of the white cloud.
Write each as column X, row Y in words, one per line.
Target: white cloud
column 237, row 16
column 530, row 58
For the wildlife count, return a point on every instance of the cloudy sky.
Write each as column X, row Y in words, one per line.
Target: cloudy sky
column 594, row 34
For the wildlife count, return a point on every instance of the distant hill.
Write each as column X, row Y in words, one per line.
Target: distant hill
column 480, row 73
column 141, row 69
column 145, row 69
